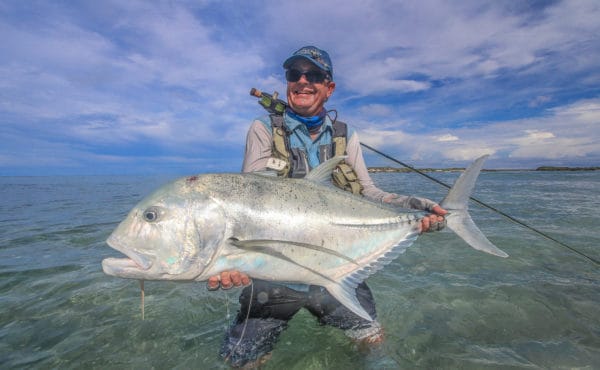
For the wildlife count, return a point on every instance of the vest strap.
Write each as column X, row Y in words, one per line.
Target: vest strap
column 290, row 162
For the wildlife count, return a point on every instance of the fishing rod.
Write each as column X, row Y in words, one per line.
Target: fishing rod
column 274, row 105
column 507, row 216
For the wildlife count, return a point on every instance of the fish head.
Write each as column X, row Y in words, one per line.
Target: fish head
column 173, row 234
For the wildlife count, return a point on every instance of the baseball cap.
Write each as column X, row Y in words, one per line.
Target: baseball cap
column 316, row 56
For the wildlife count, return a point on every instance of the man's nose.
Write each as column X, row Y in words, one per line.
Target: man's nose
column 303, row 79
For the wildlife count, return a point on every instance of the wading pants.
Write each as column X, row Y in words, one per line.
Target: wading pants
column 273, row 305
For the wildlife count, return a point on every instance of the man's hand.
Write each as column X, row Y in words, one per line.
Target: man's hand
column 227, row 280
column 435, row 221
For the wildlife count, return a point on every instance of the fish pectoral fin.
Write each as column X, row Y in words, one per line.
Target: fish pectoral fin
column 261, row 248
column 346, row 295
column 280, row 245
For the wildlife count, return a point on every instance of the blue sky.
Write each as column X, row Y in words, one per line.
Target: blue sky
column 148, row 87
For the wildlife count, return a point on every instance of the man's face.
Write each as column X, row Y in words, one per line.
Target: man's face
column 305, row 98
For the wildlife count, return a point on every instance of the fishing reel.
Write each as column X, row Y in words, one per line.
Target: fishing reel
column 271, row 103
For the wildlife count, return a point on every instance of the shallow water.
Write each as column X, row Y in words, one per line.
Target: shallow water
column 442, row 304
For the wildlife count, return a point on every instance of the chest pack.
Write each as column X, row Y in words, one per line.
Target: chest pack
column 292, row 162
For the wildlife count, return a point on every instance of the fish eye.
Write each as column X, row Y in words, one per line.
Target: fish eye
column 151, row 214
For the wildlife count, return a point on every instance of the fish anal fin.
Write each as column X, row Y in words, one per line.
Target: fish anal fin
column 361, row 274
column 346, row 295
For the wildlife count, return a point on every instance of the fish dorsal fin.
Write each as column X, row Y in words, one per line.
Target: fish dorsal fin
column 322, row 173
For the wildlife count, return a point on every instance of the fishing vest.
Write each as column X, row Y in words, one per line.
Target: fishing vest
column 292, row 162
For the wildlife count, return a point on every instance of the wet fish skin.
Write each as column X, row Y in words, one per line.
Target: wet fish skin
column 287, row 230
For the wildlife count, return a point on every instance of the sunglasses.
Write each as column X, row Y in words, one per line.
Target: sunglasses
column 312, row 76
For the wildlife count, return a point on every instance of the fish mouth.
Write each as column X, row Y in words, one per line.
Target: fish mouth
column 122, row 267
column 134, row 266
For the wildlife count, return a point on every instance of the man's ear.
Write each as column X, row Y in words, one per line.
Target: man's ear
column 330, row 88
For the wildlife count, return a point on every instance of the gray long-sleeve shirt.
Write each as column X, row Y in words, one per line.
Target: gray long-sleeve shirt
column 259, row 149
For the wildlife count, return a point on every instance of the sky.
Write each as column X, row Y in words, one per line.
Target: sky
column 162, row 87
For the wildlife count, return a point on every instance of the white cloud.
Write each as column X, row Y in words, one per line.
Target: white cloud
column 539, row 100
column 378, row 44
column 564, row 133
column 379, row 110
column 467, row 154
column 384, row 138
column 116, row 74
column 586, row 111
column 536, row 135
column 446, row 138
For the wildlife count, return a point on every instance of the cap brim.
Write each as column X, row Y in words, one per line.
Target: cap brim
column 291, row 60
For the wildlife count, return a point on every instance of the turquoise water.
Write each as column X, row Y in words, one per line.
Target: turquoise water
column 442, row 304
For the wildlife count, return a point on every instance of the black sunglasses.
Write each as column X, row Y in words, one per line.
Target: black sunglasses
column 312, row 76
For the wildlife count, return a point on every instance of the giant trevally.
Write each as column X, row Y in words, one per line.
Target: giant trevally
column 278, row 229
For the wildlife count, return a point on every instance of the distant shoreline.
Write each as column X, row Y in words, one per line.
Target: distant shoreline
column 460, row 169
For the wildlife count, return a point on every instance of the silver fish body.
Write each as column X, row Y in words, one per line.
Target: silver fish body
column 286, row 230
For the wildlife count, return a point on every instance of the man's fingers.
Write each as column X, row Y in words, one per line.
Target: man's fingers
column 226, row 280
column 433, row 222
column 213, row 283
column 239, row 278
column 245, row 280
column 424, row 224
column 439, row 211
column 236, row 278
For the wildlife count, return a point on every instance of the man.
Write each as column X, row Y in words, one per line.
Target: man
column 308, row 134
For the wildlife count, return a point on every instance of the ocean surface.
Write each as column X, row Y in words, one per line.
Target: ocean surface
column 443, row 305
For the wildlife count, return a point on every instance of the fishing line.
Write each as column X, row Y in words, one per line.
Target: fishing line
column 143, row 295
column 227, row 313
column 521, row 223
column 245, row 322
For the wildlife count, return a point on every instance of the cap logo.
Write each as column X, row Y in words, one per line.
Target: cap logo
column 317, row 56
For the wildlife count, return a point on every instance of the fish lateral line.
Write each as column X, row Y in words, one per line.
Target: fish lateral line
column 390, row 223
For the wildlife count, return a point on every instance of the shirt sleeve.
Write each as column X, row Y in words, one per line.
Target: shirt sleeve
column 258, row 148
column 357, row 161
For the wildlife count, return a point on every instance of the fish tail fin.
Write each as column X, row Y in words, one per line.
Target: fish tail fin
column 458, row 218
